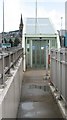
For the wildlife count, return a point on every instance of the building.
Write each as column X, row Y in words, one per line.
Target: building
column 13, row 34
column 62, row 37
column 38, row 36
column 0, row 37
column 21, row 29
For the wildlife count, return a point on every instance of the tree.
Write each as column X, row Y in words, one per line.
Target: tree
column 5, row 40
column 16, row 41
column 11, row 42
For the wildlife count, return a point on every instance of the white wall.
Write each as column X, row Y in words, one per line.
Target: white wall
column 10, row 95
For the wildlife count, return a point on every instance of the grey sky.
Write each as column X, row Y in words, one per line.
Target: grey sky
column 53, row 9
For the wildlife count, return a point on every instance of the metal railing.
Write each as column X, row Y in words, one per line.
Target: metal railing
column 11, row 58
column 59, row 71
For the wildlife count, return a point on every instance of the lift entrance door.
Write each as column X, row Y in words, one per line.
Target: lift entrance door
column 39, row 53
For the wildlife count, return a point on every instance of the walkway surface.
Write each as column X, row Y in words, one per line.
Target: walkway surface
column 36, row 98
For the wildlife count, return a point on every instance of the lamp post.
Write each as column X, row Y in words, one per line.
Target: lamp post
column 61, row 22
column 3, row 74
column 36, row 18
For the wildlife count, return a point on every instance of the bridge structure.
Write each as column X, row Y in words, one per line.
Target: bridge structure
column 26, row 91
column 10, row 81
column 16, row 80
column 35, row 40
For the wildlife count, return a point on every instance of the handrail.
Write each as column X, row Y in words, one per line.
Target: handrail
column 11, row 57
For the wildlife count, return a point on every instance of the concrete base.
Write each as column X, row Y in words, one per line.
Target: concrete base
column 10, row 95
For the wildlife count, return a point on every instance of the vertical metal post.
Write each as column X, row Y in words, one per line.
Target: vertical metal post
column 2, row 46
column 46, row 60
column 9, row 62
column 49, row 47
column 61, row 22
column 36, row 18
column 3, row 24
column 3, row 68
column 24, row 55
column 31, row 52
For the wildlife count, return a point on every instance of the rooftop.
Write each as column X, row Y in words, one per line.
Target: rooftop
column 39, row 26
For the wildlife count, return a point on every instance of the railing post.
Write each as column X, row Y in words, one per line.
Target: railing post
column 46, row 60
column 9, row 62
column 3, row 73
column 6, row 65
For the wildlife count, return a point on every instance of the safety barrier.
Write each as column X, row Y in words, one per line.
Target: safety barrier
column 7, row 61
column 59, row 71
column 10, row 93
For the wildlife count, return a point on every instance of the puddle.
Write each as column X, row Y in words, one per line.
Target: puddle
column 30, row 114
column 27, row 106
column 44, row 88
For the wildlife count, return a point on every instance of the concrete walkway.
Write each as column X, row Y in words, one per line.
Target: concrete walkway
column 36, row 98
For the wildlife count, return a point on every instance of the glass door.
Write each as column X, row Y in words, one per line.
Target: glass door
column 39, row 53
column 44, row 43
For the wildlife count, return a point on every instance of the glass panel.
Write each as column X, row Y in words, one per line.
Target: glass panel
column 44, row 26
column 38, row 57
column 42, row 56
column 33, row 56
column 27, row 41
column 39, row 53
column 33, row 53
column 27, row 49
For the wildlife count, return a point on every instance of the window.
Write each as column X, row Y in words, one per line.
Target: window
column 27, row 41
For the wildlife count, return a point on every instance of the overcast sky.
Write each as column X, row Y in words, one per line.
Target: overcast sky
column 54, row 9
